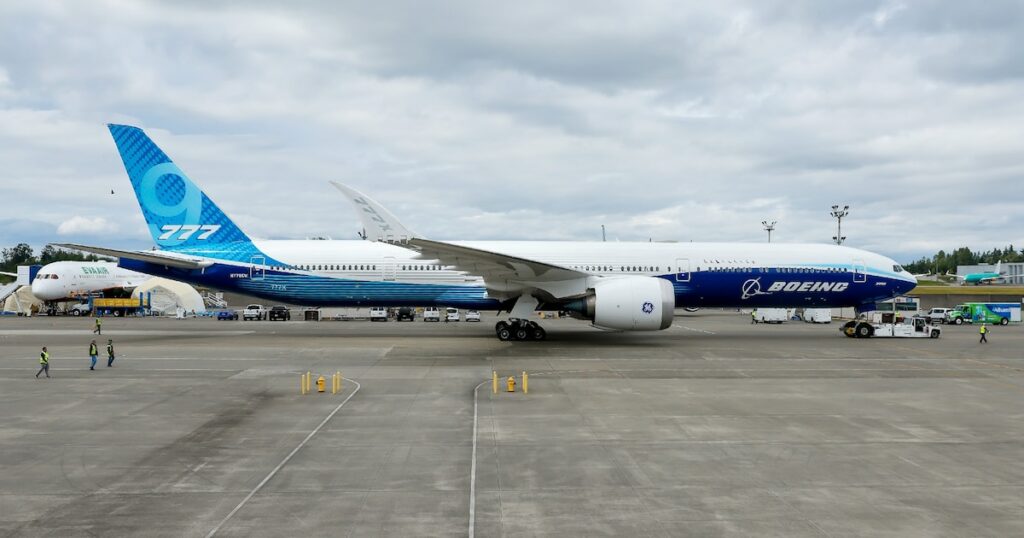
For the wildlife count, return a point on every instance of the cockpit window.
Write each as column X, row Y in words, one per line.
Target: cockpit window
column 897, row 268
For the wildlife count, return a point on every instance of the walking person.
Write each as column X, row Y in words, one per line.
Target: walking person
column 983, row 330
column 110, row 353
column 44, row 363
column 93, row 353
column 99, row 327
column 753, row 317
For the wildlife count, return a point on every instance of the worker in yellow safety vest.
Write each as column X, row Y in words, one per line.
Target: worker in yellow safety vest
column 99, row 327
column 983, row 330
column 44, row 362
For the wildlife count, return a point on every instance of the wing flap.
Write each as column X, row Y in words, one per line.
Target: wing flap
column 493, row 264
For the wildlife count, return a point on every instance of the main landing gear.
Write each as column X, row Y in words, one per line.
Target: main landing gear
column 519, row 329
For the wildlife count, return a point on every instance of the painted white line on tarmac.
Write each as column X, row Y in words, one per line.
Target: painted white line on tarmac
column 286, row 459
column 685, row 328
column 472, row 467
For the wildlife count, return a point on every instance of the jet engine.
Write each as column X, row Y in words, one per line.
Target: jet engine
column 629, row 303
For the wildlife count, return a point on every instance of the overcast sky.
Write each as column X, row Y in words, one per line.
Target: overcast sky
column 526, row 120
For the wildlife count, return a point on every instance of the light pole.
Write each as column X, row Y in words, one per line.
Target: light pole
column 839, row 214
column 768, row 227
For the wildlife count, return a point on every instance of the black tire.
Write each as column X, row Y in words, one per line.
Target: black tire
column 864, row 331
column 935, row 333
column 76, row 313
column 117, row 313
column 521, row 333
column 1004, row 321
column 504, row 334
column 499, row 325
column 958, row 321
column 538, row 333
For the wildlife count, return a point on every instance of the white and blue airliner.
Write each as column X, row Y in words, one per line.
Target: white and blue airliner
column 619, row 285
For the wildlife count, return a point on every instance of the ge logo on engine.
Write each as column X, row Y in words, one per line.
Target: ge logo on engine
column 648, row 307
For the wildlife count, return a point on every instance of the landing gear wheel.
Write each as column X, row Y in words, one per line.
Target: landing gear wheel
column 504, row 333
column 521, row 333
column 538, row 333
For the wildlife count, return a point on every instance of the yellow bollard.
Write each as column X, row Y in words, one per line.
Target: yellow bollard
column 511, row 384
column 302, row 384
column 494, row 382
column 309, row 379
column 526, row 386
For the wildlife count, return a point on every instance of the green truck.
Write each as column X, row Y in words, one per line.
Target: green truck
column 994, row 313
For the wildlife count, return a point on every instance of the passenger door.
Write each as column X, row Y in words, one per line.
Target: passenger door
column 256, row 268
column 860, row 272
column 682, row 269
column 389, row 269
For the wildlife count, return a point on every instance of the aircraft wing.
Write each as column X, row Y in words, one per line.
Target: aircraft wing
column 155, row 256
column 5, row 273
column 379, row 223
column 500, row 271
column 493, row 265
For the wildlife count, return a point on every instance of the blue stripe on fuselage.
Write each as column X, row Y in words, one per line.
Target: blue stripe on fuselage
column 704, row 289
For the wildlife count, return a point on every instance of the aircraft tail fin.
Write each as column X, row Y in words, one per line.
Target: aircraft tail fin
column 178, row 213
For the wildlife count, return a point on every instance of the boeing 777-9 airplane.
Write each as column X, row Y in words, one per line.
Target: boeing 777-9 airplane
column 620, row 285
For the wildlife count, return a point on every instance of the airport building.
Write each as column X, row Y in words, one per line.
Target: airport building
column 1013, row 273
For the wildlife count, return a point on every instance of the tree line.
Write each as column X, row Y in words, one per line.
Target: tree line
column 22, row 254
column 945, row 262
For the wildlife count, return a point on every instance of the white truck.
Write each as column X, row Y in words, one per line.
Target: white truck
column 771, row 315
column 938, row 315
column 817, row 315
column 378, row 313
column 887, row 325
column 254, row 312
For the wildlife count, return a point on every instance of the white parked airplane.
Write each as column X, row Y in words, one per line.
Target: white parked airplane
column 59, row 281
column 626, row 286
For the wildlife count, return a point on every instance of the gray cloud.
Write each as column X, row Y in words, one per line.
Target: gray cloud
column 534, row 120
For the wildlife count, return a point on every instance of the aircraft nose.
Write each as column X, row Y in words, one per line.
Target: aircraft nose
column 44, row 290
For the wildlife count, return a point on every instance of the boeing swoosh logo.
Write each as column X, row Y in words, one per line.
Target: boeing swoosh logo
column 752, row 288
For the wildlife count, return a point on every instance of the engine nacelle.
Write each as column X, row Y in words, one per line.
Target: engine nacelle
column 631, row 303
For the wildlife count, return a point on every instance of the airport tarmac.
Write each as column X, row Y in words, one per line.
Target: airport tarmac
column 714, row 427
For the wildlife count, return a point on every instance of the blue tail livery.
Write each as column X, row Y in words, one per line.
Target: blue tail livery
column 180, row 216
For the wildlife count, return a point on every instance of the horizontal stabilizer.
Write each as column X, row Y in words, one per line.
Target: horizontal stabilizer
column 155, row 257
column 379, row 223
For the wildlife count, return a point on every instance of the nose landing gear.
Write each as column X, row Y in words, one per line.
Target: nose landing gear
column 519, row 329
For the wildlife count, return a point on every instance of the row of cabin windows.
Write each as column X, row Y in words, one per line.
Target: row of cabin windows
column 802, row 270
column 606, row 268
column 622, row 268
column 362, row 267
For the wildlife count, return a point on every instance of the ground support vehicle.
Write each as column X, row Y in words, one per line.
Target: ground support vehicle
column 818, row 315
column 451, row 314
column 227, row 315
column 992, row 313
column 771, row 315
column 472, row 315
column 887, row 325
